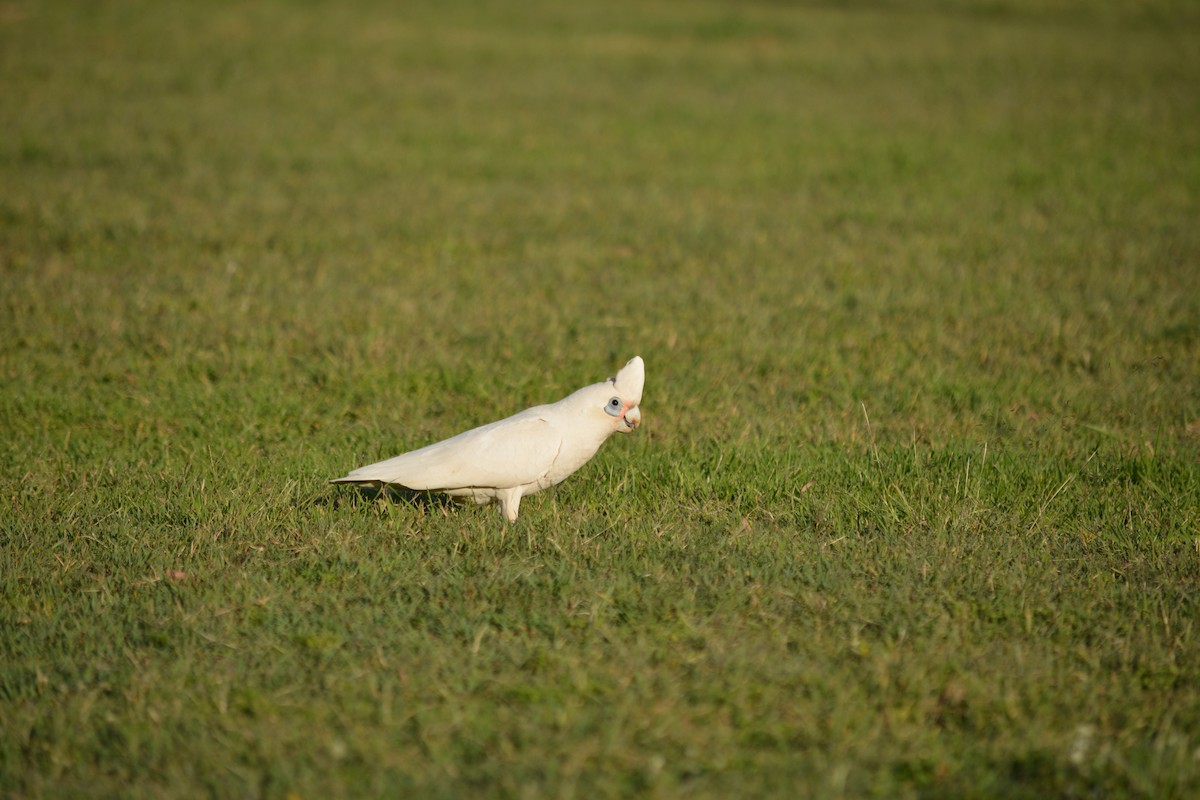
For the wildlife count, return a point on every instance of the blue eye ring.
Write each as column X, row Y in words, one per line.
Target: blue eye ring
column 613, row 407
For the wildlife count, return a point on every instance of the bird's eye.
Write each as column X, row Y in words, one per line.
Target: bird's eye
column 613, row 406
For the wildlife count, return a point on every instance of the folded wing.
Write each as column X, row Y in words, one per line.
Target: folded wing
column 511, row 452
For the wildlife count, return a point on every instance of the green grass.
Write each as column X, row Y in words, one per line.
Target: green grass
column 915, row 508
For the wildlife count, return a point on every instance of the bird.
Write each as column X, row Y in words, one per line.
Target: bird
column 506, row 460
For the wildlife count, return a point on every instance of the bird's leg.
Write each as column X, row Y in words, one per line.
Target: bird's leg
column 510, row 501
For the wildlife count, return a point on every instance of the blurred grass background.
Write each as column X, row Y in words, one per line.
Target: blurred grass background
column 914, row 510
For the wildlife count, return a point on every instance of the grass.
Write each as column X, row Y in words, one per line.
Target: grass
column 914, row 509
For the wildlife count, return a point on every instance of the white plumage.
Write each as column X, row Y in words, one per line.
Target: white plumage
column 506, row 460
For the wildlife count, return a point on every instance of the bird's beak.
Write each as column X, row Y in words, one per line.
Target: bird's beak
column 632, row 418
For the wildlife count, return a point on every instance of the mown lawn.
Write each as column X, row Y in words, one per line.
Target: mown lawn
column 915, row 507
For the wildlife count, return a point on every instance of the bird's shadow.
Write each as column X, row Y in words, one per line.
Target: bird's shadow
column 358, row 496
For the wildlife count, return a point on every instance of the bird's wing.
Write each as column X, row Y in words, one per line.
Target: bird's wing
column 511, row 452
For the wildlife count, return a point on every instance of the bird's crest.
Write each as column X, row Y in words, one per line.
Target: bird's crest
column 630, row 379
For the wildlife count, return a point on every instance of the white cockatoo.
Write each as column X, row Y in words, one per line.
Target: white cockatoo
column 506, row 460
